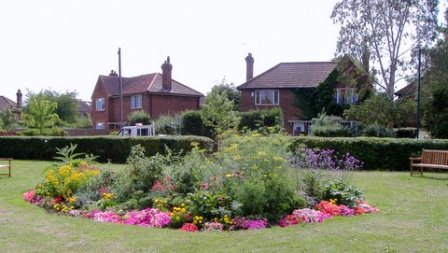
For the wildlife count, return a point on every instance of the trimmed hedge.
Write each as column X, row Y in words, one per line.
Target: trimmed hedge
column 376, row 153
column 108, row 148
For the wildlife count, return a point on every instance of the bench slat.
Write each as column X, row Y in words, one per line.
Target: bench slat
column 437, row 159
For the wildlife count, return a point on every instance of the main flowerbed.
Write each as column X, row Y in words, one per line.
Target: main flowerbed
column 251, row 183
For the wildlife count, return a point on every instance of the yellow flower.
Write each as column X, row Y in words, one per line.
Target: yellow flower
column 228, row 175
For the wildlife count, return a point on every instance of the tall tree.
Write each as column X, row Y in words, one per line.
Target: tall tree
column 386, row 30
column 40, row 113
column 231, row 92
column 7, row 119
column 218, row 112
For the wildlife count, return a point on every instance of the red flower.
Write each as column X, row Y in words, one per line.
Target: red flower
column 158, row 187
column 289, row 220
column 189, row 227
column 328, row 208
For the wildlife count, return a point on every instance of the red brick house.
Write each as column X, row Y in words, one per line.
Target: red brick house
column 155, row 93
column 15, row 107
column 275, row 88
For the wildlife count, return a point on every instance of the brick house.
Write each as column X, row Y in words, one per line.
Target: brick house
column 155, row 93
column 15, row 107
column 275, row 88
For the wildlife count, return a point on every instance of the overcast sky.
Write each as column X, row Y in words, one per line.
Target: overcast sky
column 65, row 45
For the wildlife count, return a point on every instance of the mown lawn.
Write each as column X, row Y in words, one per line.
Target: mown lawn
column 413, row 218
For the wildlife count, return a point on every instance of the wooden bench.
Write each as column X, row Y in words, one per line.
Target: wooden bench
column 437, row 159
column 6, row 166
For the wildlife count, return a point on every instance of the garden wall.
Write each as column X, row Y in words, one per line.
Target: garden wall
column 108, row 148
column 376, row 153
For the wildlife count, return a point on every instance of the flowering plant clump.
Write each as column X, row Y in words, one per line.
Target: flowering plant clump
column 189, row 227
column 247, row 184
column 213, row 226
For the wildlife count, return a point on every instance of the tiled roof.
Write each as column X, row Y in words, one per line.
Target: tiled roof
column 408, row 90
column 6, row 103
column 291, row 75
column 84, row 106
column 151, row 83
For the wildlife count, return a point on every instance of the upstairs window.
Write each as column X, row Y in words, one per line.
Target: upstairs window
column 136, row 101
column 266, row 97
column 345, row 96
column 100, row 104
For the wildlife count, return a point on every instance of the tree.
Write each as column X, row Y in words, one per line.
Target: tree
column 231, row 92
column 7, row 119
column 381, row 29
column 436, row 104
column 67, row 104
column 379, row 110
column 218, row 111
column 139, row 116
column 40, row 113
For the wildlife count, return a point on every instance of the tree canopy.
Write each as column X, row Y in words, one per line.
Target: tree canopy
column 41, row 113
column 387, row 32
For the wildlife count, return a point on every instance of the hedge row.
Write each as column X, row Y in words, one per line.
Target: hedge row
column 376, row 153
column 108, row 148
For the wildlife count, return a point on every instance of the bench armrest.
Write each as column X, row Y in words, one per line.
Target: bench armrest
column 5, row 159
column 415, row 159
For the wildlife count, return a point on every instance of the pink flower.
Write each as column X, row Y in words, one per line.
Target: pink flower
column 107, row 216
column 255, row 224
column 213, row 226
column 289, row 220
column 158, row 187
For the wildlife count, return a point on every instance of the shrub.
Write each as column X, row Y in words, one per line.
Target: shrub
column 167, row 124
column 376, row 153
column 139, row 116
column 405, row 132
column 108, row 148
column 192, row 124
column 261, row 119
column 342, row 193
column 328, row 126
column 377, row 131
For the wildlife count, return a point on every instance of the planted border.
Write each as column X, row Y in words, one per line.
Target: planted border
column 376, row 153
column 108, row 148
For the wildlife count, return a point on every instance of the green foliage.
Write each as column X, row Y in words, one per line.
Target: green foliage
column 7, row 119
column 387, row 112
column 405, row 132
column 139, row 116
column 218, row 112
column 376, row 153
column 54, row 131
column 192, row 124
column 66, row 104
column 167, row 124
column 108, row 148
column 230, row 92
column 328, row 126
column 342, row 192
column 377, row 131
column 67, row 154
column 261, row 119
column 41, row 113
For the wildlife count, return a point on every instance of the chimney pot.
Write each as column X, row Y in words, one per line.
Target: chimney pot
column 166, row 74
column 249, row 67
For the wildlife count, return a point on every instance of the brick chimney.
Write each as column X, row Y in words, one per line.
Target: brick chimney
column 166, row 74
column 19, row 99
column 249, row 67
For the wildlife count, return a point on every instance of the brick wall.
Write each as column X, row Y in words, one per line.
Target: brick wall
column 99, row 116
column 286, row 103
column 169, row 104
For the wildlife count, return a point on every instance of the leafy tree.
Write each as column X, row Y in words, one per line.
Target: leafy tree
column 40, row 113
column 231, row 92
column 381, row 30
column 436, row 104
column 219, row 112
column 67, row 104
column 379, row 110
column 139, row 116
column 7, row 119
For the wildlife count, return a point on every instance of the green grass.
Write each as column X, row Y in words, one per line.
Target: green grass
column 413, row 218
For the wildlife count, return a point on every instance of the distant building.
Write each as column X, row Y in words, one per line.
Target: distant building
column 275, row 88
column 155, row 93
column 15, row 107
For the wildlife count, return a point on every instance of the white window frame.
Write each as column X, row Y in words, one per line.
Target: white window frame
column 275, row 99
column 100, row 104
column 100, row 125
column 136, row 101
column 344, row 100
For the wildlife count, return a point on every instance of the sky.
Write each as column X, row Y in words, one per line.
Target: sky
column 64, row 45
